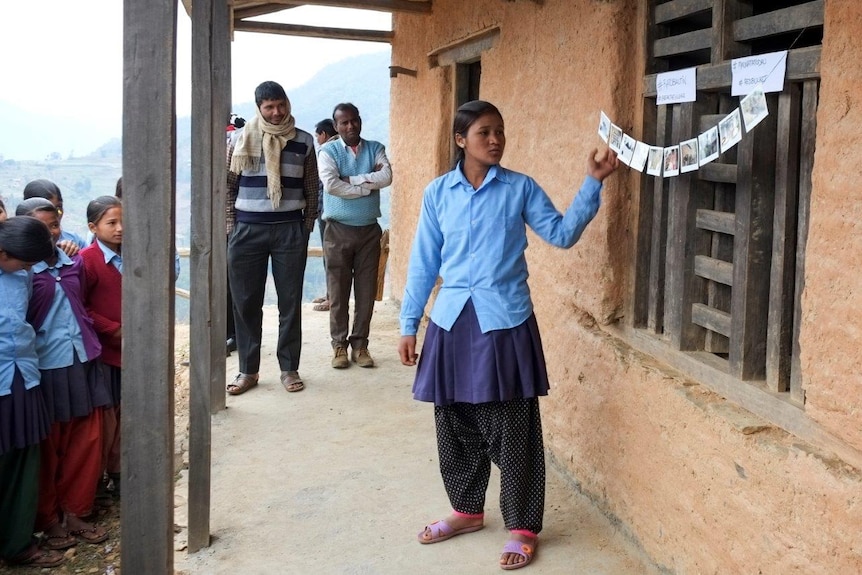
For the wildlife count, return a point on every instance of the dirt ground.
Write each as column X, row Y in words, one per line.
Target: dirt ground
column 339, row 479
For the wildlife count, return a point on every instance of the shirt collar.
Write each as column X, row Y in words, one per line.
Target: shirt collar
column 346, row 147
column 457, row 178
column 62, row 260
column 107, row 252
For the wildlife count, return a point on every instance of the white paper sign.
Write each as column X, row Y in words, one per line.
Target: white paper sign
column 677, row 86
column 765, row 71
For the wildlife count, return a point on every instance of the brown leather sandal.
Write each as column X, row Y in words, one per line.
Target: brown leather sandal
column 58, row 542
column 33, row 556
column 241, row 383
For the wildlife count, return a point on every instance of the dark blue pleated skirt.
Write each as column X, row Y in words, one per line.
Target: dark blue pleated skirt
column 75, row 391
column 113, row 379
column 24, row 418
column 464, row 365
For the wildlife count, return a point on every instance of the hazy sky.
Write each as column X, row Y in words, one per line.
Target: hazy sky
column 63, row 58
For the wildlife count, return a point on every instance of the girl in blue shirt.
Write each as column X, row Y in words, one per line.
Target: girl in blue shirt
column 70, row 242
column 24, row 420
column 482, row 362
column 74, row 388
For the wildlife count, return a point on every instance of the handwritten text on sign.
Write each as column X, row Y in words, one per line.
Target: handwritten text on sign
column 764, row 71
column 674, row 87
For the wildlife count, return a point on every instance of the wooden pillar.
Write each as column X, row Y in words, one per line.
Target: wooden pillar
column 149, row 169
column 210, row 76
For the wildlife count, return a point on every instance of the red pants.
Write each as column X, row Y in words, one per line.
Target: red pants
column 111, row 440
column 71, row 466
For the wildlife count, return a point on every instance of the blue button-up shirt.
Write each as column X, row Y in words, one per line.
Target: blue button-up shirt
column 60, row 335
column 111, row 257
column 17, row 338
column 475, row 240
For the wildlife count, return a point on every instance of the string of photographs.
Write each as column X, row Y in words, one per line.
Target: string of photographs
column 749, row 77
column 688, row 155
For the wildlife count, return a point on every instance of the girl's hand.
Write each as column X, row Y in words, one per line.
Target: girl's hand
column 69, row 248
column 407, row 350
column 600, row 167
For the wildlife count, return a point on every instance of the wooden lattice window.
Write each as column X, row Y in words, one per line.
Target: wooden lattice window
column 721, row 251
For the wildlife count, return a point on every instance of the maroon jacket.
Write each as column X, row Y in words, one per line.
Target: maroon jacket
column 103, row 298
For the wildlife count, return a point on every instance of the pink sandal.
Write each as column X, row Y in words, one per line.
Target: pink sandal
column 440, row 531
column 515, row 547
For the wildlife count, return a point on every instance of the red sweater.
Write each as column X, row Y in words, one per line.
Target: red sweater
column 103, row 298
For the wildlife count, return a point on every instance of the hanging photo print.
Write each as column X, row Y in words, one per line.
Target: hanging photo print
column 707, row 144
column 730, row 130
column 640, row 156
column 671, row 161
column 753, row 109
column 691, row 154
column 654, row 159
column 604, row 127
column 627, row 150
column 688, row 155
column 615, row 138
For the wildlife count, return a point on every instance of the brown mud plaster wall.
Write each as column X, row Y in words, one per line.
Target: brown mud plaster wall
column 831, row 337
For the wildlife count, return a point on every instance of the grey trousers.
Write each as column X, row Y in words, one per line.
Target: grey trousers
column 250, row 249
column 352, row 256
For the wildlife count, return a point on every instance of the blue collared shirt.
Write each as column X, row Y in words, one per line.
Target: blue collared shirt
column 177, row 268
column 111, row 257
column 475, row 240
column 17, row 338
column 60, row 337
column 74, row 238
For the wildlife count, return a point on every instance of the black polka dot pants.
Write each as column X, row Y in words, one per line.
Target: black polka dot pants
column 507, row 433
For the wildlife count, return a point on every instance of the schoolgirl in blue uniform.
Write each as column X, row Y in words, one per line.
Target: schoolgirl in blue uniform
column 482, row 361
column 24, row 419
column 75, row 391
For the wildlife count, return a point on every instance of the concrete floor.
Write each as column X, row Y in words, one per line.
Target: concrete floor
column 339, row 479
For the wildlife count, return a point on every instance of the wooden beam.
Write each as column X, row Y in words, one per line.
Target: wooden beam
column 715, row 221
column 802, row 64
column 714, row 269
column 810, row 91
column 791, row 19
column 779, row 333
column 688, row 194
column 658, row 231
column 683, row 43
column 678, row 9
column 262, row 10
column 313, row 31
column 149, row 173
column 706, row 370
column 377, row 5
column 755, row 197
column 711, row 318
column 718, row 172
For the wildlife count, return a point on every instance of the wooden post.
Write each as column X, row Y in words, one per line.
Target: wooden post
column 210, row 43
column 755, row 200
column 149, row 170
column 381, row 264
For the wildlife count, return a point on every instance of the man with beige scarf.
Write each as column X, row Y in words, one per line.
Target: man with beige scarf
column 272, row 193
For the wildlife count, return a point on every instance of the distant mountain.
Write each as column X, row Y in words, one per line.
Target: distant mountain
column 92, row 168
column 362, row 80
column 84, row 173
column 35, row 136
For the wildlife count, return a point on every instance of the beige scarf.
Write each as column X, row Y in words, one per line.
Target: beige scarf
column 261, row 136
